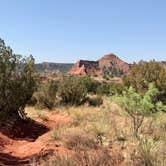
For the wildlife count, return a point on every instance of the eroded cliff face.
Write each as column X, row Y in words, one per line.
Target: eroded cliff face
column 84, row 67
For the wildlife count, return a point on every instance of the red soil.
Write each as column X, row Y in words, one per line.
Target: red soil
column 34, row 140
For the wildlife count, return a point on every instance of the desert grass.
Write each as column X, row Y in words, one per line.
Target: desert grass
column 106, row 126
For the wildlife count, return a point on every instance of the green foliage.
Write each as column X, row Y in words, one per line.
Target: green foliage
column 110, row 72
column 138, row 106
column 47, row 66
column 90, row 84
column 116, row 88
column 103, row 89
column 46, row 95
column 72, row 90
column 17, row 82
column 110, row 89
column 144, row 72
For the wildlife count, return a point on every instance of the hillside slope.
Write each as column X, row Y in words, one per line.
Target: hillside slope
column 49, row 66
column 111, row 60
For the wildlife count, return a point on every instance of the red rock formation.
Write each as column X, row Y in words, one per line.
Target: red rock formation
column 84, row 67
column 112, row 60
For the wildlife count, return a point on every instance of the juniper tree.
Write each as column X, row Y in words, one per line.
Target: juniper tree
column 72, row 90
column 17, row 82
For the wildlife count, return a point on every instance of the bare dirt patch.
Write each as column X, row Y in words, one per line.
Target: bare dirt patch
column 27, row 140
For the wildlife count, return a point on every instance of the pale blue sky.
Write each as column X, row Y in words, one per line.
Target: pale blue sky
column 68, row 30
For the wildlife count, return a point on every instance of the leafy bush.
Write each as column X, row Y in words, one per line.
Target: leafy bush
column 32, row 101
column 111, row 72
column 46, row 95
column 110, row 89
column 103, row 89
column 17, row 82
column 72, row 90
column 116, row 88
column 90, row 84
column 138, row 106
column 153, row 72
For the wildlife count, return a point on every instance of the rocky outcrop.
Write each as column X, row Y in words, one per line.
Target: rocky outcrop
column 111, row 60
column 84, row 67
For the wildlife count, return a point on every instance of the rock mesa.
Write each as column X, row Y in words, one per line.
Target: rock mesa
column 85, row 67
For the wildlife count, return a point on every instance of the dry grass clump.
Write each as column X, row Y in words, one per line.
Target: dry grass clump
column 89, row 129
column 77, row 139
column 149, row 153
column 58, row 133
column 95, row 101
column 101, row 157
column 94, row 122
column 42, row 116
column 100, row 130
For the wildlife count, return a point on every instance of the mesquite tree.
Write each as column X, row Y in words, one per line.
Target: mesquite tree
column 142, row 72
column 139, row 106
column 17, row 82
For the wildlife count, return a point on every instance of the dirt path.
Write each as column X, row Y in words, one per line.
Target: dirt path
column 19, row 151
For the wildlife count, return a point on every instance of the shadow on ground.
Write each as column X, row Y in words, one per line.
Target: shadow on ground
column 23, row 130
column 8, row 160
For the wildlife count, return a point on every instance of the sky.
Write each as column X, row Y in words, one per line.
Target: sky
column 69, row 30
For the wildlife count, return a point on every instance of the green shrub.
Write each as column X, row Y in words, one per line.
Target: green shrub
column 72, row 91
column 46, row 95
column 110, row 72
column 17, row 82
column 143, row 72
column 103, row 89
column 32, row 101
column 138, row 106
column 116, row 88
column 90, row 84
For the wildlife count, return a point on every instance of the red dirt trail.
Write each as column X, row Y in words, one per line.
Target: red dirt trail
column 24, row 142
